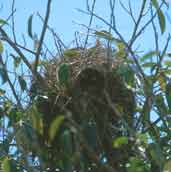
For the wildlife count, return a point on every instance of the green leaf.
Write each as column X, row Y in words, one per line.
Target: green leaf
column 149, row 55
column 9, row 165
column 17, row 61
column 107, row 35
column 30, row 21
column 36, row 119
column 1, row 47
column 162, row 81
column 120, row 45
column 168, row 94
column 67, row 142
column 120, row 141
column 149, row 65
column 55, row 125
column 90, row 131
column 155, row 3
column 71, row 53
column 167, row 63
column 160, row 104
column 14, row 115
column 6, row 166
column 167, row 166
column 22, row 82
column 142, row 137
column 104, row 34
column 26, row 138
column 120, row 53
column 3, row 74
column 156, row 154
column 137, row 165
column 63, row 74
column 162, row 21
column 3, row 22
column 2, row 92
column 127, row 73
column 160, row 15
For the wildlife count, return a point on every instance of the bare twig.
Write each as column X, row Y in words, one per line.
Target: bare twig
column 10, row 83
column 42, row 35
column 13, row 22
column 54, row 34
column 90, row 22
column 161, row 56
column 25, row 48
column 155, row 31
column 138, row 22
column 14, row 46
column 145, row 25
column 129, row 11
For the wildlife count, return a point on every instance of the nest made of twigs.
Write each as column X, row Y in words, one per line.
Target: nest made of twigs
column 91, row 72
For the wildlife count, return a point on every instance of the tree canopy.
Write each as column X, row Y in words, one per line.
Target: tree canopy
column 102, row 104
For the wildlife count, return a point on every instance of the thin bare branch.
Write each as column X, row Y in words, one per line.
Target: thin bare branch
column 138, row 22
column 42, row 35
column 13, row 22
column 145, row 25
column 13, row 45
column 90, row 22
column 10, row 83
column 129, row 11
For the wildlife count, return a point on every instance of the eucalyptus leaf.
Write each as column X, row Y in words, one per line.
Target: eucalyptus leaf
column 9, row 165
column 63, row 74
column 104, row 34
column 3, row 22
column 120, row 141
column 30, row 23
column 149, row 65
column 22, row 82
column 162, row 21
column 168, row 94
column 167, row 166
column 71, row 53
column 2, row 92
column 17, row 61
column 67, row 142
column 36, row 119
column 6, row 165
column 160, row 15
column 1, row 47
column 54, row 126
column 90, row 131
column 3, row 74
column 148, row 55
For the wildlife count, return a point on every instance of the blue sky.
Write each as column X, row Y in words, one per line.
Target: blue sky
column 64, row 17
column 64, row 14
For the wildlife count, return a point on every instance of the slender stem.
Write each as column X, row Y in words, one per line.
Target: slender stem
column 42, row 35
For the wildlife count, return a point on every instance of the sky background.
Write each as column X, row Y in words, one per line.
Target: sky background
column 64, row 17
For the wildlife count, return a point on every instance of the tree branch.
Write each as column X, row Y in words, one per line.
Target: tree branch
column 42, row 35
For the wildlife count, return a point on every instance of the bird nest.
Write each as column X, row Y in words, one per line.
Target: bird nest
column 85, row 83
column 89, row 79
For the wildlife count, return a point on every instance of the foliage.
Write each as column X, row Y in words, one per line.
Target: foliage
column 97, row 107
